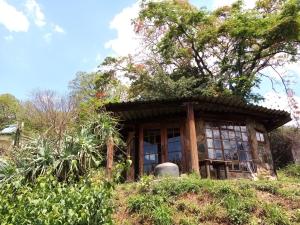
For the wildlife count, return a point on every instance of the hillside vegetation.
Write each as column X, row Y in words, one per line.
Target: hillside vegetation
column 189, row 200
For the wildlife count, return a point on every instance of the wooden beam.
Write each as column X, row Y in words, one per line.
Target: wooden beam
column 110, row 157
column 141, row 151
column 192, row 138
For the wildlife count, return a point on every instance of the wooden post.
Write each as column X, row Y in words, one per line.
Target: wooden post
column 130, row 155
column 252, row 141
column 110, row 157
column 141, row 151
column 192, row 138
column 227, row 171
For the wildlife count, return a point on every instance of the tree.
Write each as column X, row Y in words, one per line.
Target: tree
column 9, row 108
column 93, row 90
column 49, row 113
column 190, row 51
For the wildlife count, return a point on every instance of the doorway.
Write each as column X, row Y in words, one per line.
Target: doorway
column 161, row 144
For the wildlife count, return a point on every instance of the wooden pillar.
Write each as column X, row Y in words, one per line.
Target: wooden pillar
column 227, row 171
column 141, row 151
column 252, row 141
column 130, row 155
column 192, row 138
column 110, row 157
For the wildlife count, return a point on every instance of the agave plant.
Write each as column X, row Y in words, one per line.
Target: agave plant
column 79, row 154
column 75, row 155
column 40, row 159
column 7, row 169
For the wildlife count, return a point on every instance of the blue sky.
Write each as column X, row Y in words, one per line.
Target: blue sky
column 44, row 43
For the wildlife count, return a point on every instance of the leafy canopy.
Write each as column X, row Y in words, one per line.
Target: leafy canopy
column 190, row 51
column 9, row 108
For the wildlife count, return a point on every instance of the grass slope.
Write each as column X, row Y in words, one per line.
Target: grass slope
column 189, row 200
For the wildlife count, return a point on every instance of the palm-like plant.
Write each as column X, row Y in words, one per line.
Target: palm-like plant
column 75, row 154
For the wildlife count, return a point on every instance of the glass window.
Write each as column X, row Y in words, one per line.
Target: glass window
column 152, row 149
column 174, row 146
column 229, row 142
column 260, row 136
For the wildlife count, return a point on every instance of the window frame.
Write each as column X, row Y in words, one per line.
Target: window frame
column 224, row 126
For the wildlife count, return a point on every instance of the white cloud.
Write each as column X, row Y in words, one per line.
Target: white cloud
column 35, row 11
column 9, row 38
column 127, row 41
column 280, row 101
column 58, row 29
column 12, row 19
column 219, row 3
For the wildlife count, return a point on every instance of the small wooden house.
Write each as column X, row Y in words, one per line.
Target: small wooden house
column 217, row 137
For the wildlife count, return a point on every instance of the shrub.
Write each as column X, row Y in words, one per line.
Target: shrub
column 237, row 210
column 48, row 201
column 292, row 170
column 266, row 187
column 152, row 207
column 275, row 215
column 176, row 186
column 212, row 211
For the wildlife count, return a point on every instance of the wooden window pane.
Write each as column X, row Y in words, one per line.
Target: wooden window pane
column 226, row 144
column 257, row 136
column 224, row 134
column 211, row 153
column 208, row 133
column 244, row 136
column 219, row 154
column 227, row 155
column 217, row 144
column 210, row 143
column 236, row 128
column 231, row 135
column 261, row 135
column 238, row 135
column 216, row 133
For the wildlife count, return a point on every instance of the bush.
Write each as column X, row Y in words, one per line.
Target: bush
column 152, row 207
column 275, row 215
column 176, row 186
column 48, row 201
column 266, row 187
column 292, row 170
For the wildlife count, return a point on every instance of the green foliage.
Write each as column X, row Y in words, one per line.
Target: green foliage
column 47, row 201
column 7, row 169
column 93, row 90
column 171, row 186
column 152, row 207
column 193, row 51
column 266, row 186
column 275, row 215
column 74, row 156
column 282, row 140
column 9, row 108
column 191, row 200
column 292, row 170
